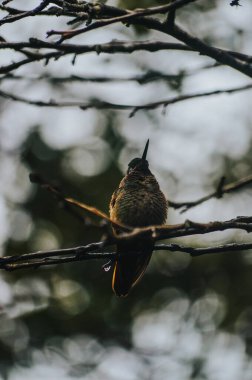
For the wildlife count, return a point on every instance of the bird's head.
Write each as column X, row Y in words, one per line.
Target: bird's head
column 140, row 164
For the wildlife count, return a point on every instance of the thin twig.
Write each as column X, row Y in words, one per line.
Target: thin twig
column 19, row 16
column 101, row 104
column 128, row 16
column 221, row 190
column 231, row 247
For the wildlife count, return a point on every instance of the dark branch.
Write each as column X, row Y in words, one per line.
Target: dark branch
column 186, row 229
column 112, row 47
column 221, row 56
column 101, row 104
column 20, row 15
column 125, row 17
column 95, row 251
column 59, row 256
column 232, row 247
column 220, row 191
column 66, row 49
column 149, row 76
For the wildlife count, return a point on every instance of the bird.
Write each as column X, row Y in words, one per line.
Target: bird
column 137, row 202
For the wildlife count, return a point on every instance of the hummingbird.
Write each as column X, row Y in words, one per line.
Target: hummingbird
column 138, row 202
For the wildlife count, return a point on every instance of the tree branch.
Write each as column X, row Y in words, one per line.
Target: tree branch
column 112, row 47
column 139, row 17
column 198, row 45
column 223, row 248
column 59, row 256
column 142, row 79
column 95, row 251
column 218, row 193
column 101, row 104
column 126, row 16
column 22, row 15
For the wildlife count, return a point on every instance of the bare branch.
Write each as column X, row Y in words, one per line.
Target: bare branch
column 232, row 247
column 196, row 44
column 165, row 103
column 138, row 16
column 19, row 16
column 221, row 190
column 147, row 77
column 101, row 104
column 127, row 16
column 59, row 256
column 186, row 229
column 95, row 251
column 112, row 47
column 66, row 49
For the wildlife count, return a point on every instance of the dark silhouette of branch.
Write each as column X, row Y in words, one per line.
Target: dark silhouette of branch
column 101, row 104
column 96, row 251
column 142, row 79
column 198, row 45
column 149, row 76
column 66, row 49
column 139, row 17
column 218, row 193
column 126, row 16
column 186, row 229
column 59, row 256
column 20, row 15
column 59, row 10
column 231, row 247
column 112, row 47
column 181, row 98
column 37, row 179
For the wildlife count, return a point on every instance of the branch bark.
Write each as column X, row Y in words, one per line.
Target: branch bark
column 218, row 193
column 96, row 251
column 102, row 104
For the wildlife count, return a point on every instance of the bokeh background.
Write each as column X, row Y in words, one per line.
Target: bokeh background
column 188, row 318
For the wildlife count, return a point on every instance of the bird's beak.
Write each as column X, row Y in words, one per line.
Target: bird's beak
column 145, row 150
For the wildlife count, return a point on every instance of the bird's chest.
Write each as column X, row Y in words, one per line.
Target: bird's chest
column 139, row 205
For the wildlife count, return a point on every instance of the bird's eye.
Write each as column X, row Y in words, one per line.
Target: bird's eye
column 130, row 169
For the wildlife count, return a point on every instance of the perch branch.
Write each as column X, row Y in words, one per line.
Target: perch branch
column 95, row 251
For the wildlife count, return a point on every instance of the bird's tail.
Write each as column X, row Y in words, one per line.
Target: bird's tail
column 129, row 268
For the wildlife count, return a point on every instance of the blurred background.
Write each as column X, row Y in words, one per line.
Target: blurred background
column 188, row 318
